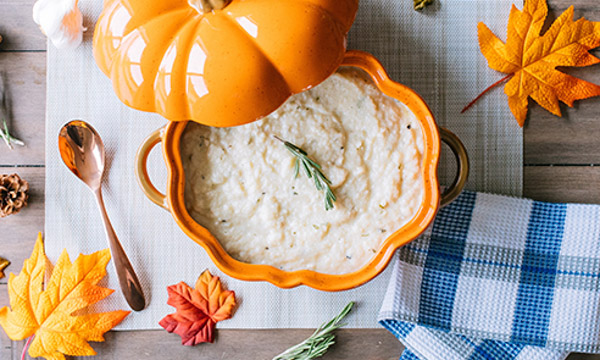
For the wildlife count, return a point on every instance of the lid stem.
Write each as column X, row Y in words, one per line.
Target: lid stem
column 206, row 6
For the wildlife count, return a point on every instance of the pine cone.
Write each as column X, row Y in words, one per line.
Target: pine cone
column 13, row 194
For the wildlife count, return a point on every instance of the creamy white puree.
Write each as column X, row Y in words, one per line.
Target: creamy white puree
column 240, row 181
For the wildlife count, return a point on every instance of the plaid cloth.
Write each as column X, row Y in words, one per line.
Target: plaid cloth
column 496, row 277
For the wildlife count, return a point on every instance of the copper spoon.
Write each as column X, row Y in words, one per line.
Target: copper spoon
column 82, row 150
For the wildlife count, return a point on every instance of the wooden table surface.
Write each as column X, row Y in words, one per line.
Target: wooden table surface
column 561, row 163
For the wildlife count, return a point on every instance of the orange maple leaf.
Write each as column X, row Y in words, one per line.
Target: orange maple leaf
column 530, row 60
column 48, row 313
column 198, row 310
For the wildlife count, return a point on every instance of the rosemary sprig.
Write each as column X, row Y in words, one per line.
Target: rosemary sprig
column 7, row 137
column 318, row 343
column 312, row 170
column 4, row 133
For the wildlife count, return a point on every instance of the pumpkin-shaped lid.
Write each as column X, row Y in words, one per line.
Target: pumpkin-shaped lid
column 219, row 62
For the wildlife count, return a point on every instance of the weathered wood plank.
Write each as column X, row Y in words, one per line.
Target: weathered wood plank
column 587, row 8
column 19, row 231
column 5, row 343
column 24, row 77
column 17, row 27
column 583, row 357
column 562, row 183
column 572, row 139
column 245, row 344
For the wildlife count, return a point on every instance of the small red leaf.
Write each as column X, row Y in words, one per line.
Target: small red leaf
column 198, row 310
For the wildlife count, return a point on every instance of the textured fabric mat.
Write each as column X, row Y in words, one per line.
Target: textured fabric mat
column 434, row 51
column 501, row 278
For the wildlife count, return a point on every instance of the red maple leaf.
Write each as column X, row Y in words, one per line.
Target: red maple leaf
column 198, row 309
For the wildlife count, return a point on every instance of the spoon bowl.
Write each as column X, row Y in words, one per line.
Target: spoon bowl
column 82, row 150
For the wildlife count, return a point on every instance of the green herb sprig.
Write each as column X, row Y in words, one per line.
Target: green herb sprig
column 312, row 170
column 7, row 137
column 318, row 343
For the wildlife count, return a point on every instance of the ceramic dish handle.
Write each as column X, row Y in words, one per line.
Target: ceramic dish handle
column 141, row 170
column 462, row 161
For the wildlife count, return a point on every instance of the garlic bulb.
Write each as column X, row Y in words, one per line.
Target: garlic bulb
column 61, row 21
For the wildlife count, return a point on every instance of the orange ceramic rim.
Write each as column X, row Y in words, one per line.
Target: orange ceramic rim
column 328, row 282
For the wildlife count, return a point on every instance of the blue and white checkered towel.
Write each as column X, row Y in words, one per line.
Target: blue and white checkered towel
column 496, row 277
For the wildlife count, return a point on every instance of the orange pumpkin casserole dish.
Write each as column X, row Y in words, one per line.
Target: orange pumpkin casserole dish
column 216, row 69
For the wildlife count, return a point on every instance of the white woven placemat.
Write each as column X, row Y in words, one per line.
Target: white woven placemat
column 435, row 52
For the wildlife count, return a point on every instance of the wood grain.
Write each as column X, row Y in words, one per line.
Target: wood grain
column 19, row 231
column 587, row 8
column 579, row 184
column 17, row 28
column 235, row 344
column 6, row 348
column 571, row 139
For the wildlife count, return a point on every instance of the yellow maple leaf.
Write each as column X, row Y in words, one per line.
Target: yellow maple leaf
column 531, row 59
column 48, row 313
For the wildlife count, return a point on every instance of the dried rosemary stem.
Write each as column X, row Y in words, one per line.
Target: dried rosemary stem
column 318, row 343
column 7, row 137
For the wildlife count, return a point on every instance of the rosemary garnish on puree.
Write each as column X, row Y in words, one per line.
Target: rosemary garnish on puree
column 312, row 170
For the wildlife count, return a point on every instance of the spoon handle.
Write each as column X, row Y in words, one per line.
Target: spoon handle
column 130, row 285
